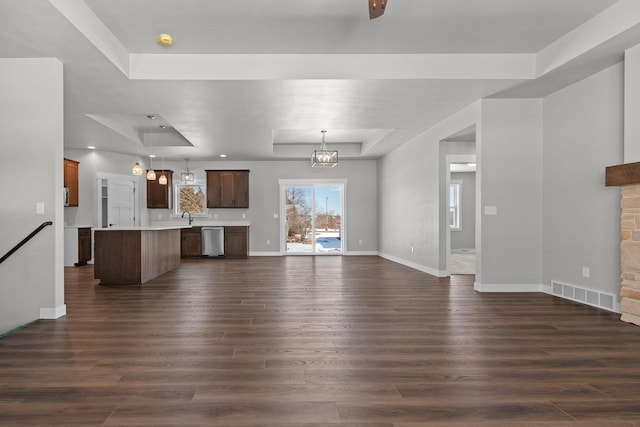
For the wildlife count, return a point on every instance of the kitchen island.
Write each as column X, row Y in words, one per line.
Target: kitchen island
column 236, row 238
column 135, row 255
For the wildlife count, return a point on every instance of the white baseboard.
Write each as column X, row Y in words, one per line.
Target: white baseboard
column 348, row 253
column 265, row 254
column 509, row 287
column 361, row 253
column 53, row 313
column 413, row 265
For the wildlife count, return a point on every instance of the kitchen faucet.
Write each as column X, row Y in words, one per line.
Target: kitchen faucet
column 188, row 213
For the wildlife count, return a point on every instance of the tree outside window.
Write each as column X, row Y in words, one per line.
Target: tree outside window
column 298, row 206
column 191, row 198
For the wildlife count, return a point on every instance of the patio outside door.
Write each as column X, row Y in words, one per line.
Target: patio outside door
column 313, row 218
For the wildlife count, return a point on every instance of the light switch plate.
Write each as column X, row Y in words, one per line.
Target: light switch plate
column 491, row 210
column 40, row 208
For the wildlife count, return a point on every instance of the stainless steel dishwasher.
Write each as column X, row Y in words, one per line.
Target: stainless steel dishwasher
column 213, row 241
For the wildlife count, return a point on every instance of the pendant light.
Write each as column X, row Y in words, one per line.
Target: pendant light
column 324, row 158
column 151, row 174
column 137, row 167
column 187, row 175
column 163, row 178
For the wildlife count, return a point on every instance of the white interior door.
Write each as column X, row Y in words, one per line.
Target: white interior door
column 121, row 203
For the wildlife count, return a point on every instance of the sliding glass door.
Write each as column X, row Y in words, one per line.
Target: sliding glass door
column 313, row 217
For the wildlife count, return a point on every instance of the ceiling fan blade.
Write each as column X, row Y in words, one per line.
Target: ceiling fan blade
column 377, row 8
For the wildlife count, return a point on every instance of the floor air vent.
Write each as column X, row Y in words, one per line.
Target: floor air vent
column 586, row 296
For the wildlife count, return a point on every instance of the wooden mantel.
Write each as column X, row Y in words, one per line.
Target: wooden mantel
column 619, row 175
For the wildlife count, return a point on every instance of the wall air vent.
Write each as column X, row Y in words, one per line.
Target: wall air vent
column 585, row 296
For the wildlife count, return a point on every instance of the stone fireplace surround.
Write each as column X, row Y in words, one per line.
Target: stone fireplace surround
column 627, row 176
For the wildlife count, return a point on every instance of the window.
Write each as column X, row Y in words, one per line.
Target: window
column 192, row 198
column 454, row 205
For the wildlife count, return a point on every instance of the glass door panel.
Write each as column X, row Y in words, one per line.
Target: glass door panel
column 328, row 209
column 299, row 222
column 313, row 222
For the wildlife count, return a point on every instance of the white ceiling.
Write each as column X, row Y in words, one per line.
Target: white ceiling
column 257, row 79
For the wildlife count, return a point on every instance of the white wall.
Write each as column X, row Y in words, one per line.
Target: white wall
column 541, row 164
column 583, row 133
column 509, row 174
column 361, row 201
column 631, row 105
column 31, row 136
column 264, row 194
column 412, row 197
column 408, row 208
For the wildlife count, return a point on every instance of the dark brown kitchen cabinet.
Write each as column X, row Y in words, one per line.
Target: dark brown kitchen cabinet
column 159, row 196
column 84, row 245
column 227, row 188
column 236, row 242
column 190, row 242
column 71, row 180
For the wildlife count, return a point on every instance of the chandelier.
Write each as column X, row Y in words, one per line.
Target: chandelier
column 324, row 158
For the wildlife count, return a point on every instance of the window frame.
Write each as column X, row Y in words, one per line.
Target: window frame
column 176, row 197
column 455, row 203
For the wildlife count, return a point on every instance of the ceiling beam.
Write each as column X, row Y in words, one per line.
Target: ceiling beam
column 331, row 66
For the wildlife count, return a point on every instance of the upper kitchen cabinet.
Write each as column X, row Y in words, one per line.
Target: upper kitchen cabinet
column 158, row 195
column 227, row 188
column 71, row 180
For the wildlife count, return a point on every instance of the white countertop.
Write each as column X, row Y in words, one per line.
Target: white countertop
column 78, row 226
column 203, row 223
column 177, row 225
column 145, row 228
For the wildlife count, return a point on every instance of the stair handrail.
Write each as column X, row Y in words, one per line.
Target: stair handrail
column 25, row 240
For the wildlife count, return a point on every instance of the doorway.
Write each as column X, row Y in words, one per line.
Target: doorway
column 312, row 217
column 461, row 205
column 116, row 204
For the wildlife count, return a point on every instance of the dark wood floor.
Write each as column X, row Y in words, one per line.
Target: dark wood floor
column 350, row 341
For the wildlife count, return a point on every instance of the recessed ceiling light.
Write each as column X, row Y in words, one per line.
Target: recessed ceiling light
column 163, row 127
column 153, row 156
column 223, row 155
column 91, row 147
column 165, row 39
